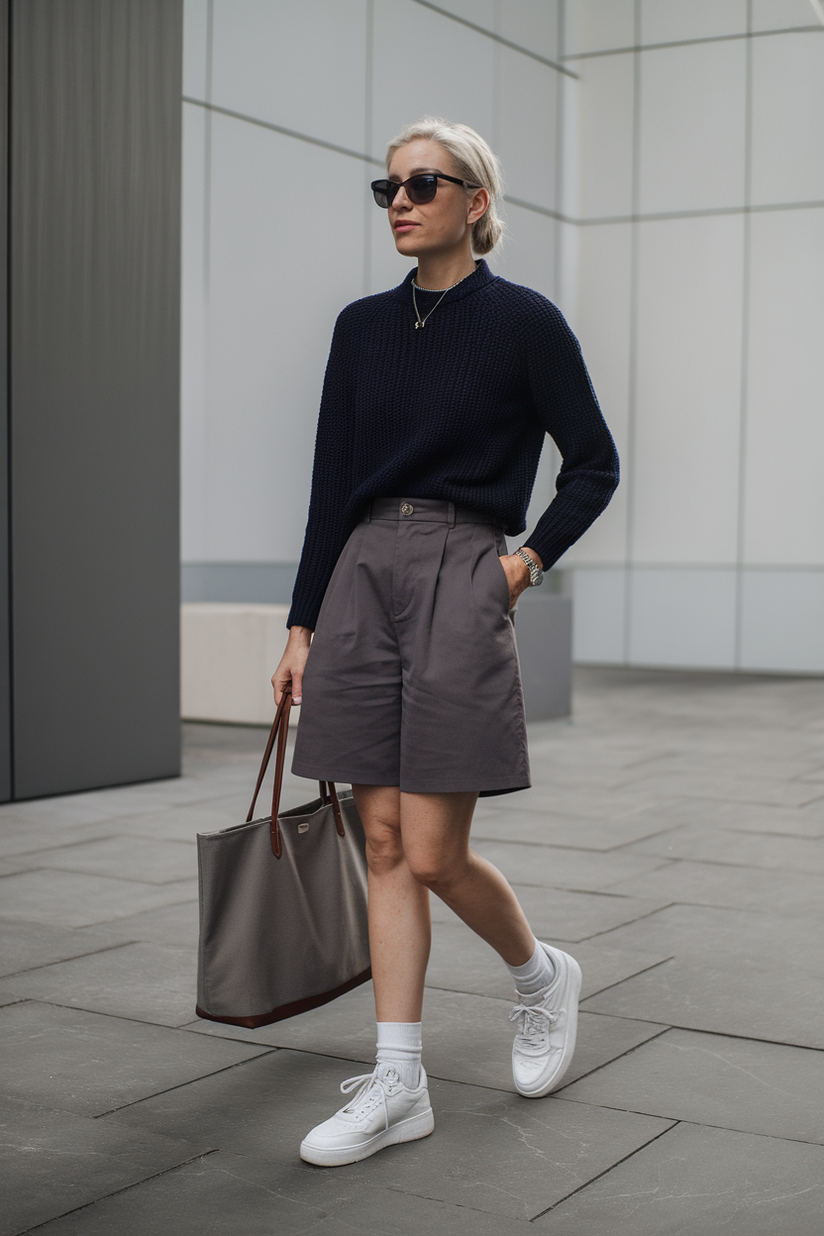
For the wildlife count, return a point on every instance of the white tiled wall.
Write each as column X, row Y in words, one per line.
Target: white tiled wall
column 782, row 15
column 682, row 617
column 788, row 119
column 673, row 21
column 687, row 389
column 702, row 329
column 606, row 135
column 692, row 127
column 784, row 499
column 704, row 334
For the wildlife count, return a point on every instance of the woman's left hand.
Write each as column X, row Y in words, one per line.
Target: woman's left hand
column 517, row 575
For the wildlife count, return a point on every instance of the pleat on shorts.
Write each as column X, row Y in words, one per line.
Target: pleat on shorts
column 412, row 677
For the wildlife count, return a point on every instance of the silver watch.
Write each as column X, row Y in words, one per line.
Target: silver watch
column 536, row 575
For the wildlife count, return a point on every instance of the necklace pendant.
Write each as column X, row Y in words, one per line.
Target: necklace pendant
column 418, row 325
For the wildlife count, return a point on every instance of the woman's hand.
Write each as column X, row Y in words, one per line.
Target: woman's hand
column 517, row 574
column 292, row 663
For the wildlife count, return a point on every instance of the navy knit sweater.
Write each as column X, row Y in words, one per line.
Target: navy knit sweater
column 458, row 411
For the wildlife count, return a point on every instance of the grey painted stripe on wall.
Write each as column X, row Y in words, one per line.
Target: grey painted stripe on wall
column 262, row 583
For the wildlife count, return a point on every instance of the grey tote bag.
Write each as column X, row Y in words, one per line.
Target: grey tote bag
column 282, row 905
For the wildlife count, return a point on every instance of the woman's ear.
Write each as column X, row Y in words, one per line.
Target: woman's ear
column 477, row 205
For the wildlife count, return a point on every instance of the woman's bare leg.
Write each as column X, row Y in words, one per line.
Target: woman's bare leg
column 399, row 925
column 435, row 833
column 417, row 842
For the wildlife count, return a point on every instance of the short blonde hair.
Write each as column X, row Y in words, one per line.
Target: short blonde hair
column 476, row 163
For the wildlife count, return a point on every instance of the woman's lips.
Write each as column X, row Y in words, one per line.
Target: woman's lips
column 405, row 227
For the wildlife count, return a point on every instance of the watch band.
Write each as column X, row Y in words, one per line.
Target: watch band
column 536, row 575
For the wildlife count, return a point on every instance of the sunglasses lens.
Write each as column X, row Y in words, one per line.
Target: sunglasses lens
column 384, row 191
column 421, row 189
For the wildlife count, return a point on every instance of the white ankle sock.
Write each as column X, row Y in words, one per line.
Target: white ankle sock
column 399, row 1044
column 536, row 973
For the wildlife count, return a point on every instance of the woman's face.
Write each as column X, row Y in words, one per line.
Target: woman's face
column 442, row 225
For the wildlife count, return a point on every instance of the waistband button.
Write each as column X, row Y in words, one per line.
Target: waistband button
column 407, row 509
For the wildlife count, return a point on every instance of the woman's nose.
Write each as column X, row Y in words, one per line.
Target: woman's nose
column 400, row 201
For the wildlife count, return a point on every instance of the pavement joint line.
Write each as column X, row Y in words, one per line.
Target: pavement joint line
column 204, row 1154
column 609, row 1169
column 698, row 1124
column 108, row 922
column 81, row 1008
column 718, row 1034
column 266, row 1050
column 59, row 961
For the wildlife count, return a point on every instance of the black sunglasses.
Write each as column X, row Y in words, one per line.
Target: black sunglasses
column 420, row 189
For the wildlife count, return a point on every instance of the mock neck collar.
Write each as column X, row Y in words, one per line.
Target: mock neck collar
column 479, row 278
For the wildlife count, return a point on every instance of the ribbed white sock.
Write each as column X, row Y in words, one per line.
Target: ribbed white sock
column 399, row 1044
column 536, row 973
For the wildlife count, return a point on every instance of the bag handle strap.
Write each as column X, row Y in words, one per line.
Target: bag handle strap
column 333, row 797
column 280, row 733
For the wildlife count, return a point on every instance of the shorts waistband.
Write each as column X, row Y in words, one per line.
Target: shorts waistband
column 428, row 510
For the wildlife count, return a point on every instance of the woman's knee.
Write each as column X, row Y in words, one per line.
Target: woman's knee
column 438, row 870
column 384, row 848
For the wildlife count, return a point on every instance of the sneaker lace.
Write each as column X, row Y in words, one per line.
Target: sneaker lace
column 371, row 1094
column 536, row 1024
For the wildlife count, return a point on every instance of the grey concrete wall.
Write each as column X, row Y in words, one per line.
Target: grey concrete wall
column 5, row 683
column 94, row 461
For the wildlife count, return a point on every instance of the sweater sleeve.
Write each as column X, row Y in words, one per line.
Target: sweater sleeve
column 568, row 409
column 329, row 524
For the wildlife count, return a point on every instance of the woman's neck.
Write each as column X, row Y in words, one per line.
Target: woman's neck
column 437, row 273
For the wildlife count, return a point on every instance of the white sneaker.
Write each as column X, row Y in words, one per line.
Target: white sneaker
column 547, row 1025
column 382, row 1113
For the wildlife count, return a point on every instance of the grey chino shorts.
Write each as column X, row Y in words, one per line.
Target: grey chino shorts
column 412, row 677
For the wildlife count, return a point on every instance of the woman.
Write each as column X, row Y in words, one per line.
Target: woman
column 437, row 398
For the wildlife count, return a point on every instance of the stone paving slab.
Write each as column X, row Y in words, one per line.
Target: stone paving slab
column 52, row 1162
column 652, row 764
column 553, row 828
column 467, row 1038
column 195, row 1200
column 715, row 1080
column 744, row 888
column 76, row 899
column 554, row 867
column 766, row 791
column 87, row 1063
column 461, row 961
column 807, row 821
column 144, row 982
column 563, row 914
column 697, row 1181
column 577, row 799
column 18, row 838
column 175, row 925
column 755, row 975
column 491, row 1151
column 143, row 859
column 737, row 848
column 183, row 823
column 26, row 946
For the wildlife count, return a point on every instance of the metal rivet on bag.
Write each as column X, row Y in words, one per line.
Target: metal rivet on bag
column 406, row 509
column 303, row 828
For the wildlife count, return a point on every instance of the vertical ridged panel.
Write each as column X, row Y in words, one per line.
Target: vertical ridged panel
column 95, row 176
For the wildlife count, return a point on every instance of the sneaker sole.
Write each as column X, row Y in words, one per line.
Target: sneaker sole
column 409, row 1130
column 553, row 1082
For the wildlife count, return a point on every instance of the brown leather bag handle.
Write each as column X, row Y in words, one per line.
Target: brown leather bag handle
column 280, row 731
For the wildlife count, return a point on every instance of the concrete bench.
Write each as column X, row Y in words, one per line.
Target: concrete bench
column 229, row 651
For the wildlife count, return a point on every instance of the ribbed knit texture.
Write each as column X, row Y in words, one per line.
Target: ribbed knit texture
column 456, row 411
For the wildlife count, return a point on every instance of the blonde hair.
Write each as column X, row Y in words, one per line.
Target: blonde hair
column 476, row 163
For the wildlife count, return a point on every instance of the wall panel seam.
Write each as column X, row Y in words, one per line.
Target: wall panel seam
column 716, row 38
column 496, row 38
